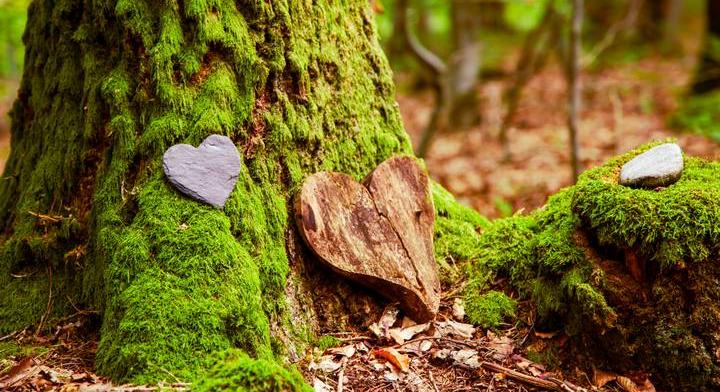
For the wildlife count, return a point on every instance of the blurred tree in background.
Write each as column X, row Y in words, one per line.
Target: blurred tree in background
column 12, row 23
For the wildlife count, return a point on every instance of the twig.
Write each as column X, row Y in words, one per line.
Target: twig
column 527, row 379
column 341, row 375
column 432, row 380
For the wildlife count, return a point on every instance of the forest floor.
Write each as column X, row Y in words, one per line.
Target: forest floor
column 625, row 105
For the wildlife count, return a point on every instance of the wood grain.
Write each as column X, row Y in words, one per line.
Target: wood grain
column 378, row 234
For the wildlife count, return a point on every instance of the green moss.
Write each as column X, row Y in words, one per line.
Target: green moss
column 674, row 225
column 570, row 257
column 456, row 233
column 237, row 372
column 327, row 341
column 488, row 309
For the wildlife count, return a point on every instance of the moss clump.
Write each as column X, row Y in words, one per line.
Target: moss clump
column 677, row 224
column 235, row 371
column 327, row 341
column 632, row 273
column 488, row 309
column 456, row 232
column 699, row 114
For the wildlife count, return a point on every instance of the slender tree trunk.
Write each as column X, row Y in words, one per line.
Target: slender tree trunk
column 574, row 86
column 107, row 87
column 707, row 75
column 464, row 64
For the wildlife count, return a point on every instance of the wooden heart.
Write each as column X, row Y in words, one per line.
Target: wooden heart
column 207, row 173
column 378, row 234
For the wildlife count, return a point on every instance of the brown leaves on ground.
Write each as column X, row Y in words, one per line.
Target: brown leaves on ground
column 62, row 360
column 442, row 355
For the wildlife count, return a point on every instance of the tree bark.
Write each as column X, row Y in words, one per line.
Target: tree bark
column 707, row 76
column 464, row 64
column 107, row 88
column 573, row 73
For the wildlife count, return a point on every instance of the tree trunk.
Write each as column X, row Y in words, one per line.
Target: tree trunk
column 89, row 221
column 707, row 76
column 464, row 64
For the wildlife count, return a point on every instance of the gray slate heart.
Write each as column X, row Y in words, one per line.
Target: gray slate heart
column 207, row 173
column 659, row 166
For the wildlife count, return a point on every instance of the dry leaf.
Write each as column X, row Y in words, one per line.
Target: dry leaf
column 458, row 309
column 425, row 345
column 601, row 377
column 451, row 327
column 21, row 370
column 377, row 366
column 402, row 335
column 376, row 330
column 320, row 386
column 362, row 347
column 466, row 357
column 647, row 386
column 627, row 384
column 401, row 361
column 346, row 351
column 407, row 322
column 546, row 335
column 503, row 347
column 327, row 364
column 441, row 354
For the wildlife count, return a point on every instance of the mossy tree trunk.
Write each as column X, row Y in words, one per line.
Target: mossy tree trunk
column 88, row 219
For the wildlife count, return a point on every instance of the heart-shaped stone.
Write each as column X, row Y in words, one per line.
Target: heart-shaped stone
column 378, row 234
column 207, row 173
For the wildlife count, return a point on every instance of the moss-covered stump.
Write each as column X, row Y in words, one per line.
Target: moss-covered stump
column 87, row 219
column 633, row 274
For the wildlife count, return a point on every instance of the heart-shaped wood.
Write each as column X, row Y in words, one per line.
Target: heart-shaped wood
column 207, row 173
column 378, row 234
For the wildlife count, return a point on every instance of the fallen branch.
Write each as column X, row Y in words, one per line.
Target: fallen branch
column 555, row 385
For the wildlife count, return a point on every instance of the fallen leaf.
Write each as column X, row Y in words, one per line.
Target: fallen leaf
column 346, row 351
column 627, row 384
column 458, row 309
column 425, row 345
column 466, row 357
column 546, row 335
column 402, row 335
column 327, row 364
column 451, row 327
column 362, row 347
column 21, row 370
column 441, row 354
column 401, row 361
column 320, row 386
column 601, row 377
column 502, row 347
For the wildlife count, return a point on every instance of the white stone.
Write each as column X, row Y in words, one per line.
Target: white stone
column 659, row 166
